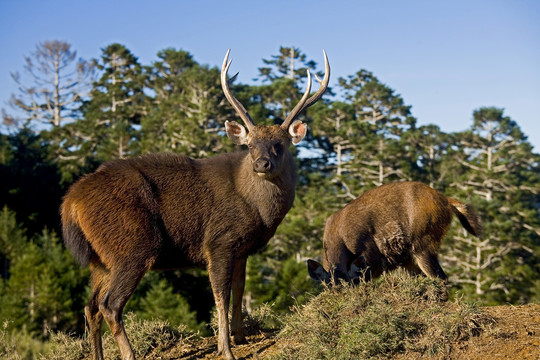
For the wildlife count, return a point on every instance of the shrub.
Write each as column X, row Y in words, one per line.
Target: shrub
column 392, row 314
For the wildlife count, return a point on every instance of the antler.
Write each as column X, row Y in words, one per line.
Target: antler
column 304, row 102
column 240, row 110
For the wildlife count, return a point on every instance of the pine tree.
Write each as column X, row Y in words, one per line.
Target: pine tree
column 12, row 240
column 499, row 174
column 286, row 75
column 58, row 83
column 30, row 185
column 430, row 146
column 110, row 118
column 335, row 129
column 161, row 302
column 290, row 63
column 19, row 302
column 187, row 112
column 381, row 155
column 283, row 289
column 44, row 290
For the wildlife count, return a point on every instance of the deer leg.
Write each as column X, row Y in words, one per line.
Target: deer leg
column 95, row 319
column 124, row 280
column 93, row 315
column 220, row 271
column 238, row 282
column 429, row 264
column 413, row 268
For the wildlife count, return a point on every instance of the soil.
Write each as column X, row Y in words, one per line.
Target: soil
column 515, row 334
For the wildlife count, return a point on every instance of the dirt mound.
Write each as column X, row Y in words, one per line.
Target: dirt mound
column 515, row 334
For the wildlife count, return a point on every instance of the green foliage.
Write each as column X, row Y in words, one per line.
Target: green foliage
column 30, row 182
column 187, row 111
column 187, row 292
column 288, row 286
column 430, row 146
column 19, row 344
column 489, row 162
column 108, row 127
column 290, row 63
column 393, row 314
column 12, row 238
column 380, row 155
column 162, row 303
column 44, row 290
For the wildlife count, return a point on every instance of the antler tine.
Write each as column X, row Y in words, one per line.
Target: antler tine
column 240, row 110
column 323, row 83
column 298, row 106
column 313, row 99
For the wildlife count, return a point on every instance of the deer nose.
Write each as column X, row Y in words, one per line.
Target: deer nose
column 262, row 165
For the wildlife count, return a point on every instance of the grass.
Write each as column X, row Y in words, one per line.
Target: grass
column 147, row 337
column 261, row 320
column 393, row 314
column 19, row 344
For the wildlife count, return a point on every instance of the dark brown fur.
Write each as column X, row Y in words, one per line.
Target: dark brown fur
column 395, row 225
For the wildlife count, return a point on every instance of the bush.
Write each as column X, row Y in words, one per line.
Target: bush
column 393, row 314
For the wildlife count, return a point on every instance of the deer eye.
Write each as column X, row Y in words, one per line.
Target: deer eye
column 277, row 148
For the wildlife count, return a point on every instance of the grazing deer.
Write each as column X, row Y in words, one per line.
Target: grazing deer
column 395, row 225
column 166, row 211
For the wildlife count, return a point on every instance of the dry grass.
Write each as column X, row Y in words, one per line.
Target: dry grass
column 390, row 315
column 261, row 320
column 396, row 314
column 146, row 337
column 18, row 344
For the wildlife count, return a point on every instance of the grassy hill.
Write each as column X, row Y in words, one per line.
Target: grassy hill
column 396, row 316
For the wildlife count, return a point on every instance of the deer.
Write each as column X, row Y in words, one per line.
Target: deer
column 169, row 211
column 400, row 224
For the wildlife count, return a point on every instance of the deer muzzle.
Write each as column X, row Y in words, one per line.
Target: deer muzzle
column 262, row 166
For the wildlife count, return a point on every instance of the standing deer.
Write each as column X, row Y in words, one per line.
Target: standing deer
column 166, row 211
column 395, row 225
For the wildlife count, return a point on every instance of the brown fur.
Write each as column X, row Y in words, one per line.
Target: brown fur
column 395, row 225
column 167, row 211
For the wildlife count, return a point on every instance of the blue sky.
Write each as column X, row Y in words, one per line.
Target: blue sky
column 445, row 58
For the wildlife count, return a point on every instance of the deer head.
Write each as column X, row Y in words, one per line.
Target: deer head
column 334, row 274
column 267, row 143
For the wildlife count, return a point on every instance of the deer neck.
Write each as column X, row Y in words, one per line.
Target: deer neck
column 271, row 197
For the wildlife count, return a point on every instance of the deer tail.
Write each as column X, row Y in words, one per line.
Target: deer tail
column 74, row 238
column 467, row 216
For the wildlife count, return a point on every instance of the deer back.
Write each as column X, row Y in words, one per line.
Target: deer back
column 386, row 225
column 394, row 217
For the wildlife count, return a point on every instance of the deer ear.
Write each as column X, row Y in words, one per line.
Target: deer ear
column 317, row 272
column 298, row 131
column 236, row 132
column 357, row 267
